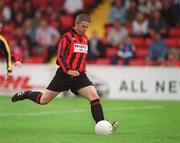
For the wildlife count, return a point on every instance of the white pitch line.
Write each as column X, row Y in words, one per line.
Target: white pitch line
column 79, row 110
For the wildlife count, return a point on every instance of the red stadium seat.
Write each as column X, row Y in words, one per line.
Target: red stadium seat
column 88, row 3
column 57, row 4
column 172, row 42
column 138, row 42
column 33, row 60
column 174, row 32
column 177, row 63
column 66, row 22
column 111, row 52
column 178, row 43
column 148, row 63
column 105, row 61
column 137, row 62
column 148, row 42
column 40, row 3
column 8, row 28
column 129, row 29
column 141, row 53
column 91, row 62
column 120, row 62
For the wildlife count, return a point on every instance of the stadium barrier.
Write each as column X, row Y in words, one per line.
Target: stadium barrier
column 115, row 82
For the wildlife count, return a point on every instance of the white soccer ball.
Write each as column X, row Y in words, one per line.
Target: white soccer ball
column 103, row 128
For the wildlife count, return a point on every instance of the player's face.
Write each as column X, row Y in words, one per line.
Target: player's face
column 82, row 27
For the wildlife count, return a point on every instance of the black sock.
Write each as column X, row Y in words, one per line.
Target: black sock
column 33, row 95
column 96, row 110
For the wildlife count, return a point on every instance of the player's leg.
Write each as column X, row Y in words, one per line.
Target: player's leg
column 90, row 93
column 37, row 97
column 58, row 84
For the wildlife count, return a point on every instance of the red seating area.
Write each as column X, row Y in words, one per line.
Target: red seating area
column 174, row 32
column 111, row 51
column 33, row 60
column 65, row 21
column 173, row 42
column 142, row 45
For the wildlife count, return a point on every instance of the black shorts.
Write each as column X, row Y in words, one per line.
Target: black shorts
column 63, row 82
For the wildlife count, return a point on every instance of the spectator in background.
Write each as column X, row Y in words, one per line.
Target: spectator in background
column 125, row 52
column 53, row 17
column 142, row 7
column 118, row 11
column 153, row 5
column 117, row 34
column 46, row 38
column 140, row 26
column 40, row 4
column 173, row 55
column 96, row 47
column 30, row 33
column 168, row 13
column 158, row 50
column 28, row 9
column 20, row 42
column 16, row 8
column 176, row 9
column 73, row 6
column 6, row 13
column 157, row 24
column 147, row 6
column 132, row 11
column 19, row 19
column 38, row 16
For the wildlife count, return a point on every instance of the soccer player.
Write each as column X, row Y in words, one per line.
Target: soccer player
column 5, row 52
column 71, row 74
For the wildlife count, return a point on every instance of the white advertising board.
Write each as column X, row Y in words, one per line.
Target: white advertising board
column 28, row 77
column 115, row 82
column 139, row 82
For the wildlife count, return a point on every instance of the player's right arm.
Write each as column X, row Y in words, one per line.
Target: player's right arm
column 63, row 48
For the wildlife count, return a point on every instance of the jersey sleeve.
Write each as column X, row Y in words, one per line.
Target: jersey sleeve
column 16, row 57
column 63, row 48
column 6, row 50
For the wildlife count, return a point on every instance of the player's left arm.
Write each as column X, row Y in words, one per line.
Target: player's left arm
column 7, row 53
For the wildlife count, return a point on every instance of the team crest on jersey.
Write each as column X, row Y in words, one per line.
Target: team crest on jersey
column 80, row 48
column 85, row 40
column 74, row 39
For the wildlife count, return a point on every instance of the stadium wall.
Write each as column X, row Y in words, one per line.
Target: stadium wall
column 115, row 82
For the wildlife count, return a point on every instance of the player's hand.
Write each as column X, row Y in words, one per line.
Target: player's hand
column 18, row 64
column 73, row 72
column 8, row 75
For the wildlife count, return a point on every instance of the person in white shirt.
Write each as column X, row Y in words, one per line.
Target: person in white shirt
column 140, row 25
column 73, row 6
column 117, row 34
column 46, row 38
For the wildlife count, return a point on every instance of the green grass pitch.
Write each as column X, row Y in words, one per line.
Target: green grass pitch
column 68, row 120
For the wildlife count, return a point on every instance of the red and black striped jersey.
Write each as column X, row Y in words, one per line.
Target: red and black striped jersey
column 72, row 51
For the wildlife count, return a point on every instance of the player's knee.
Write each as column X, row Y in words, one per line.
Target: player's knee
column 93, row 96
column 44, row 103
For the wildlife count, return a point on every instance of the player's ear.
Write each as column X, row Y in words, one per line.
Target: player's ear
column 76, row 22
